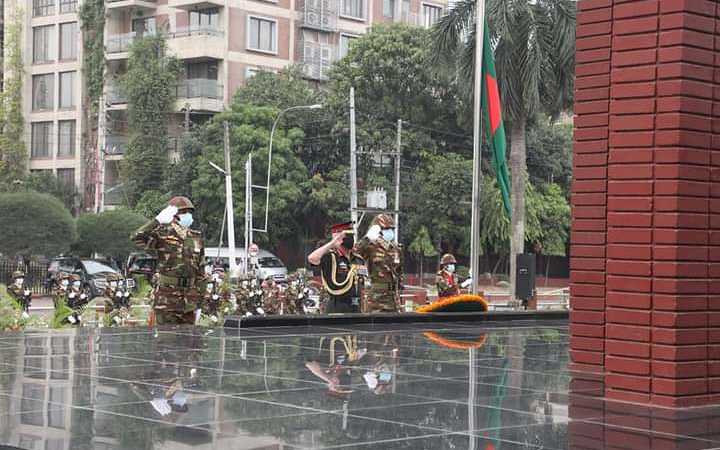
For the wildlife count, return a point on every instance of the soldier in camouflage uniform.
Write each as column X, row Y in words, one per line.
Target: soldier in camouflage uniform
column 117, row 305
column 68, row 296
column 218, row 300
column 446, row 279
column 180, row 253
column 272, row 297
column 20, row 292
column 297, row 292
column 383, row 258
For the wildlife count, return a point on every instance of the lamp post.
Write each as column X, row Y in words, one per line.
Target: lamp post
column 272, row 134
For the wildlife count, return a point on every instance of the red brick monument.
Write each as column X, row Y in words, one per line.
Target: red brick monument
column 645, row 254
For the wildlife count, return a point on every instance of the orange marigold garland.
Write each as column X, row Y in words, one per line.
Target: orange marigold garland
column 456, row 303
column 455, row 343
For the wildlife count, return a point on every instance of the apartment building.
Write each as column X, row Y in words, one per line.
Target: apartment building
column 221, row 43
column 52, row 55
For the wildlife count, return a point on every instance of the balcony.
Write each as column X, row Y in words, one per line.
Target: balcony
column 130, row 4
column 201, row 95
column 115, row 99
column 197, row 42
column 114, row 195
column 317, row 59
column 189, row 5
column 117, row 45
column 115, row 145
column 320, row 15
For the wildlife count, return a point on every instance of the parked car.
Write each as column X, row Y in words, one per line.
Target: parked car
column 267, row 265
column 141, row 265
column 93, row 272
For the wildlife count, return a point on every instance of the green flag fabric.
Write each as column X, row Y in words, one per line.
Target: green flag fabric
column 492, row 111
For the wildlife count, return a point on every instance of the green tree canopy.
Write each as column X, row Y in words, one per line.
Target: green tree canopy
column 108, row 233
column 150, row 85
column 34, row 224
column 13, row 153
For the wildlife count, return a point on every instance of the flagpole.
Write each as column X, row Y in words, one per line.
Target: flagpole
column 477, row 156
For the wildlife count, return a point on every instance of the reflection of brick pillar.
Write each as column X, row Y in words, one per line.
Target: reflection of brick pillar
column 646, row 253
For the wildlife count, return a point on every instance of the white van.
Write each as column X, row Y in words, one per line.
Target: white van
column 268, row 265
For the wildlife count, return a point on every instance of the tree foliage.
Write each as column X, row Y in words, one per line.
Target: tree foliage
column 549, row 156
column 34, row 224
column 150, row 86
column 108, row 233
column 13, row 153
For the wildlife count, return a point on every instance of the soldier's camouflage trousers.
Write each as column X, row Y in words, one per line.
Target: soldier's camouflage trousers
column 174, row 305
column 381, row 300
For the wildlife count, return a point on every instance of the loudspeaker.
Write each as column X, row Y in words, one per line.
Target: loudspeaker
column 525, row 276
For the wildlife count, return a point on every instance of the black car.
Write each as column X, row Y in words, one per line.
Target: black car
column 93, row 272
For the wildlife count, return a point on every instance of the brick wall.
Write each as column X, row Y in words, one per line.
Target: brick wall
column 645, row 242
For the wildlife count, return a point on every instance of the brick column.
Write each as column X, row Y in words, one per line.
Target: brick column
column 646, row 213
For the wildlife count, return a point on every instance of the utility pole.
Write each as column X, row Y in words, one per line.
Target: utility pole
column 229, row 203
column 248, row 214
column 397, row 181
column 477, row 156
column 353, row 165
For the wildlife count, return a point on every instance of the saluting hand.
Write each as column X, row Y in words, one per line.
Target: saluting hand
column 336, row 242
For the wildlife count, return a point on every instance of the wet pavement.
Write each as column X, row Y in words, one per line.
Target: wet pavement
column 452, row 386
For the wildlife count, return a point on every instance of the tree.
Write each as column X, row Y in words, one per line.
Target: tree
column 549, row 155
column 34, row 224
column 250, row 132
column 422, row 247
column 48, row 183
column 108, row 233
column 13, row 153
column 150, row 86
column 534, row 52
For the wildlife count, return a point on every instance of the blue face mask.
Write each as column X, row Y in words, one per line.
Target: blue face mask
column 388, row 235
column 185, row 219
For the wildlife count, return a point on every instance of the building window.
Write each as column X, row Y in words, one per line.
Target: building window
column 68, row 41
column 66, row 138
column 203, row 70
column 345, row 40
column 43, row 8
column 353, row 8
column 67, row 176
column 389, row 8
column 204, row 18
column 41, row 140
column 431, row 14
column 145, row 25
column 56, row 407
column 42, row 44
column 262, row 34
column 67, row 90
column 68, row 6
column 43, row 92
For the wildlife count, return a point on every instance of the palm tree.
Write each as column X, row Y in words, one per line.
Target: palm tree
column 534, row 42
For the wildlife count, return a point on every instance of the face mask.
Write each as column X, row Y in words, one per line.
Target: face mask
column 209, row 287
column 76, row 284
column 19, row 281
column 348, row 242
column 65, row 283
column 185, row 219
column 450, row 268
column 388, row 235
column 113, row 284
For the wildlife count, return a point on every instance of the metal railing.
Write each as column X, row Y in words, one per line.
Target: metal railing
column 114, row 195
column 120, row 42
column 200, row 88
column 320, row 14
column 197, row 30
column 116, row 145
column 317, row 59
column 35, row 274
column 115, row 95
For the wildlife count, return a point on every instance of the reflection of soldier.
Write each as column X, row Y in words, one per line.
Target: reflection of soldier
column 383, row 362
column 337, row 373
column 384, row 264
column 20, row 292
column 446, row 280
column 180, row 255
column 68, row 297
column 341, row 270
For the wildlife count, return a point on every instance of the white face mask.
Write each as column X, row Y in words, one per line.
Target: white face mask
column 113, row 284
column 209, row 287
column 19, row 281
column 450, row 268
column 64, row 283
column 76, row 284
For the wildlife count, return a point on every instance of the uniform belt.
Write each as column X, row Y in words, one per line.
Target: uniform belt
column 178, row 282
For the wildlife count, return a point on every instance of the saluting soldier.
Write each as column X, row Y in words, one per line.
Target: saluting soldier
column 180, row 254
column 68, row 297
column 446, row 279
column 341, row 270
column 383, row 257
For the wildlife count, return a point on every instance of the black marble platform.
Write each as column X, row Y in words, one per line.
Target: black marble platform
column 460, row 385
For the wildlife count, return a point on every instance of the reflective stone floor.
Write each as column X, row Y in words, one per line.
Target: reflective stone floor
column 451, row 386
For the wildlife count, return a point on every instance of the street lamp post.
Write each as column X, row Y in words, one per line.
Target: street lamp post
column 267, row 186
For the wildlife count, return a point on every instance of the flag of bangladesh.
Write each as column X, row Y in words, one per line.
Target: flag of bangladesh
column 492, row 111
